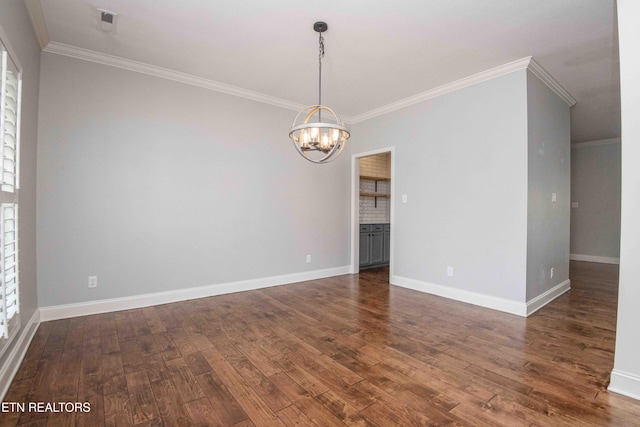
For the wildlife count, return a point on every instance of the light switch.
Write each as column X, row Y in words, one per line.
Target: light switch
column 404, row 198
column 554, row 197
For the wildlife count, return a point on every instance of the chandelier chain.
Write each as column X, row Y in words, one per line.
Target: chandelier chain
column 320, row 56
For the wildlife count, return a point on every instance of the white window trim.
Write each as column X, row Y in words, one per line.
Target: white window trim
column 9, row 327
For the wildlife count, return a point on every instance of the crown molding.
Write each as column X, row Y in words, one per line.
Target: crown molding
column 596, row 143
column 165, row 73
column 483, row 76
column 39, row 24
column 520, row 64
column 546, row 78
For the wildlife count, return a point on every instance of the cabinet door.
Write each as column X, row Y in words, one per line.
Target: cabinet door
column 365, row 249
column 387, row 246
column 377, row 247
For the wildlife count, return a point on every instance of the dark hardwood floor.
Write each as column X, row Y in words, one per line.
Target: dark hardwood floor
column 349, row 350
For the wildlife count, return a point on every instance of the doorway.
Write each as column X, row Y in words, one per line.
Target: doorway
column 372, row 211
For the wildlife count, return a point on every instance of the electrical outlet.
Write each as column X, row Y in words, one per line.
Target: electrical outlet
column 93, row 281
column 308, row 259
column 554, row 197
column 450, row 271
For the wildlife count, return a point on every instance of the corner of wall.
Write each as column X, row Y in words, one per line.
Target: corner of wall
column 625, row 383
column 548, row 186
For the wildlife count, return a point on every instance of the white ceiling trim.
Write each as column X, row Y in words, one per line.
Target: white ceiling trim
column 520, row 64
column 546, row 78
column 165, row 73
column 483, row 76
column 36, row 15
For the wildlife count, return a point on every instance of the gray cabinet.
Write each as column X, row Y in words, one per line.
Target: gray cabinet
column 365, row 245
column 374, row 245
column 387, row 243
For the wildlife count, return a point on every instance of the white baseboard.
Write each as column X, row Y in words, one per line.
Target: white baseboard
column 543, row 299
column 594, row 258
column 156, row 298
column 625, row 384
column 487, row 301
column 17, row 353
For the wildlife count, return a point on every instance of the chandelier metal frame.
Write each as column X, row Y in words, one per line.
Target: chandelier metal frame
column 316, row 140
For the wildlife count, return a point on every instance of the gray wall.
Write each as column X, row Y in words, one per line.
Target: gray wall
column 625, row 377
column 154, row 185
column 595, row 186
column 461, row 158
column 15, row 23
column 549, row 172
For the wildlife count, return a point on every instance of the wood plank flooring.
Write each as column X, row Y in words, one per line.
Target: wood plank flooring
column 349, row 350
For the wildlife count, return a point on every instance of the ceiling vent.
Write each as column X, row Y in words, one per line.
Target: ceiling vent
column 107, row 21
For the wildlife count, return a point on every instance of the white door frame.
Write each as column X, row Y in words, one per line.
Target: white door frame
column 355, row 207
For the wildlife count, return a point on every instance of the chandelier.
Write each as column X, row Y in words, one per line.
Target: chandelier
column 317, row 132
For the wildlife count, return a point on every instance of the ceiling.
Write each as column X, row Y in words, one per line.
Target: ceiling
column 377, row 52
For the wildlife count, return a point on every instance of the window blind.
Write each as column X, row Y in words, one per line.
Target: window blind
column 10, row 91
column 9, row 264
column 10, row 117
